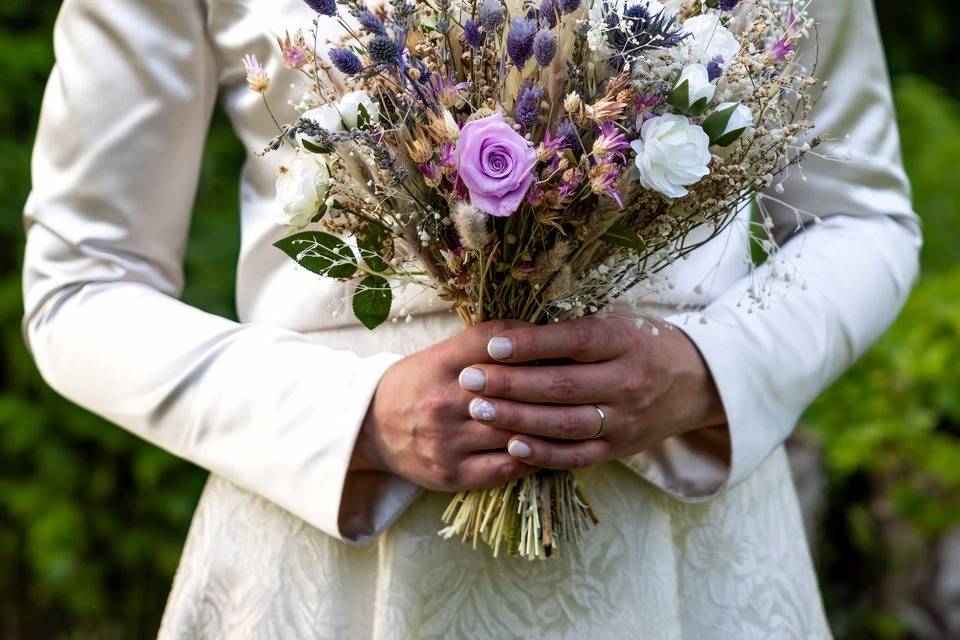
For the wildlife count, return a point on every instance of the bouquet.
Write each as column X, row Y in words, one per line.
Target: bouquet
column 531, row 162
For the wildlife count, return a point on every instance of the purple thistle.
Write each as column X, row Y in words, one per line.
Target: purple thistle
column 371, row 23
column 728, row 5
column 472, row 35
column 346, row 61
column 382, row 50
column 569, row 6
column 323, row 7
column 491, row 15
column 548, row 13
column 544, row 47
column 520, row 41
column 715, row 68
column 527, row 108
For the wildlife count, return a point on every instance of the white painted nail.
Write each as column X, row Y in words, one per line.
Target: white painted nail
column 519, row 449
column 482, row 410
column 500, row 348
column 473, row 379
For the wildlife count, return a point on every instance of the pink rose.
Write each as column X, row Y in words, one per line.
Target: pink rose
column 496, row 165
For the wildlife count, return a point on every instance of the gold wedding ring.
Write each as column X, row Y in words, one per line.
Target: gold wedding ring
column 603, row 423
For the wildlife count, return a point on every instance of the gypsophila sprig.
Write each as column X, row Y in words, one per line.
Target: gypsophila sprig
column 532, row 161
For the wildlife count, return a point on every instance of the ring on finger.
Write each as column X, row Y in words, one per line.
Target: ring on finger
column 603, row 423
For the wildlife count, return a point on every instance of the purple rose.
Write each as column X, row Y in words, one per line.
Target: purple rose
column 496, row 165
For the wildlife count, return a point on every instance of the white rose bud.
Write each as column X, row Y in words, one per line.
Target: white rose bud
column 327, row 116
column 709, row 39
column 350, row 105
column 693, row 91
column 302, row 189
column 672, row 154
column 728, row 123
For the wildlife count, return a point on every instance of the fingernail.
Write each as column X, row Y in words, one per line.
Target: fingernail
column 472, row 379
column 519, row 449
column 483, row 410
column 500, row 348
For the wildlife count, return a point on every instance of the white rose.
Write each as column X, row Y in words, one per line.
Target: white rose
column 699, row 86
column 725, row 125
column 350, row 106
column 301, row 188
column 671, row 154
column 709, row 39
column 327, row 116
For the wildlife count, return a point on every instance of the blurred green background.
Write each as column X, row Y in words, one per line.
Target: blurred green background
column 92, row 520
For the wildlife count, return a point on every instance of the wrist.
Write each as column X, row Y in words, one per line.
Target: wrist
column 367, row 455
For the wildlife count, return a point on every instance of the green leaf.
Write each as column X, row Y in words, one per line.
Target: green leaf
column 622, row 236
column 730, row 137
column 680, row 98
column 320, row 253
column 370, row 243
column 363, row 117
column 372, row 300
column 716, row 123
column 322, row 211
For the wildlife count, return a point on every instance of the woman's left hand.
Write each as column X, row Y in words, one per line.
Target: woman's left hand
column 649, row 381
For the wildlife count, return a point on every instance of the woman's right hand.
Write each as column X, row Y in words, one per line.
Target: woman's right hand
column 418, row 425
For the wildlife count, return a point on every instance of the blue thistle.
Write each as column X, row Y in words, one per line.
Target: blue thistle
column 569, row 6
column 491, row 15
column 323, row 7
column 728, row 5
column 520, row 40
column 548, row 13
column 544, row 47
column 571, row 140
column 527, row 108
column 371, row 23
column 382, row 50
column 715, row 68
column 472, row 35
column 637, row 29
column 345, row 61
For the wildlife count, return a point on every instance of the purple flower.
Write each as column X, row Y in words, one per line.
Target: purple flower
column 548, row 13
column 610, row 142
column 728, row 5
column 382, row 50
column 544, row 47
column 323, row 7
column 491, row 15
column 472, row 35
column 495, row 164
column 527, row 108
column 568, row 132
column 371, row 23
column 569, row 6
column 346, row 61
column 520, row 41
column 645, row 105
column 715, row 68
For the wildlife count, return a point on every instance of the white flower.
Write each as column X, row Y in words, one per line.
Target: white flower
column 672, row 154
column 301, row 189
column 327, row 116
column 349, row 106
column 709, row 39
column 728, row 123
column 698, row 84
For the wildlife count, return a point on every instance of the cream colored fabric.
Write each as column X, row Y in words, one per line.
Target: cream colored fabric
column 272, row 405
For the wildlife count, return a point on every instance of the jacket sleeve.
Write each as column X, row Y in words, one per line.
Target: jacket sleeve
column 776, row 339
column 115, row 171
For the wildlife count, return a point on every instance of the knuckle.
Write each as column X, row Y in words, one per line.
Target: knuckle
column 447, row 476
column 435, row 402
column 571, row 425
column 581, row 336
column 499, row 382
column 562, row 387
column 496, row 327
column 578, row 459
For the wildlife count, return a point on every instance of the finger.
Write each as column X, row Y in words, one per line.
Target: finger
column 474, row 437
column 470, row 345
column 565, row 384
column 558, row 455
column 579, row 422
column 490, row 469
column 582, row 340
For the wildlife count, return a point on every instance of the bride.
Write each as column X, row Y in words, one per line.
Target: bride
column 332, row 449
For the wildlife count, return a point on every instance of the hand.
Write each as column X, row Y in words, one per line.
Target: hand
column 418, row 425
column 650, row 382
